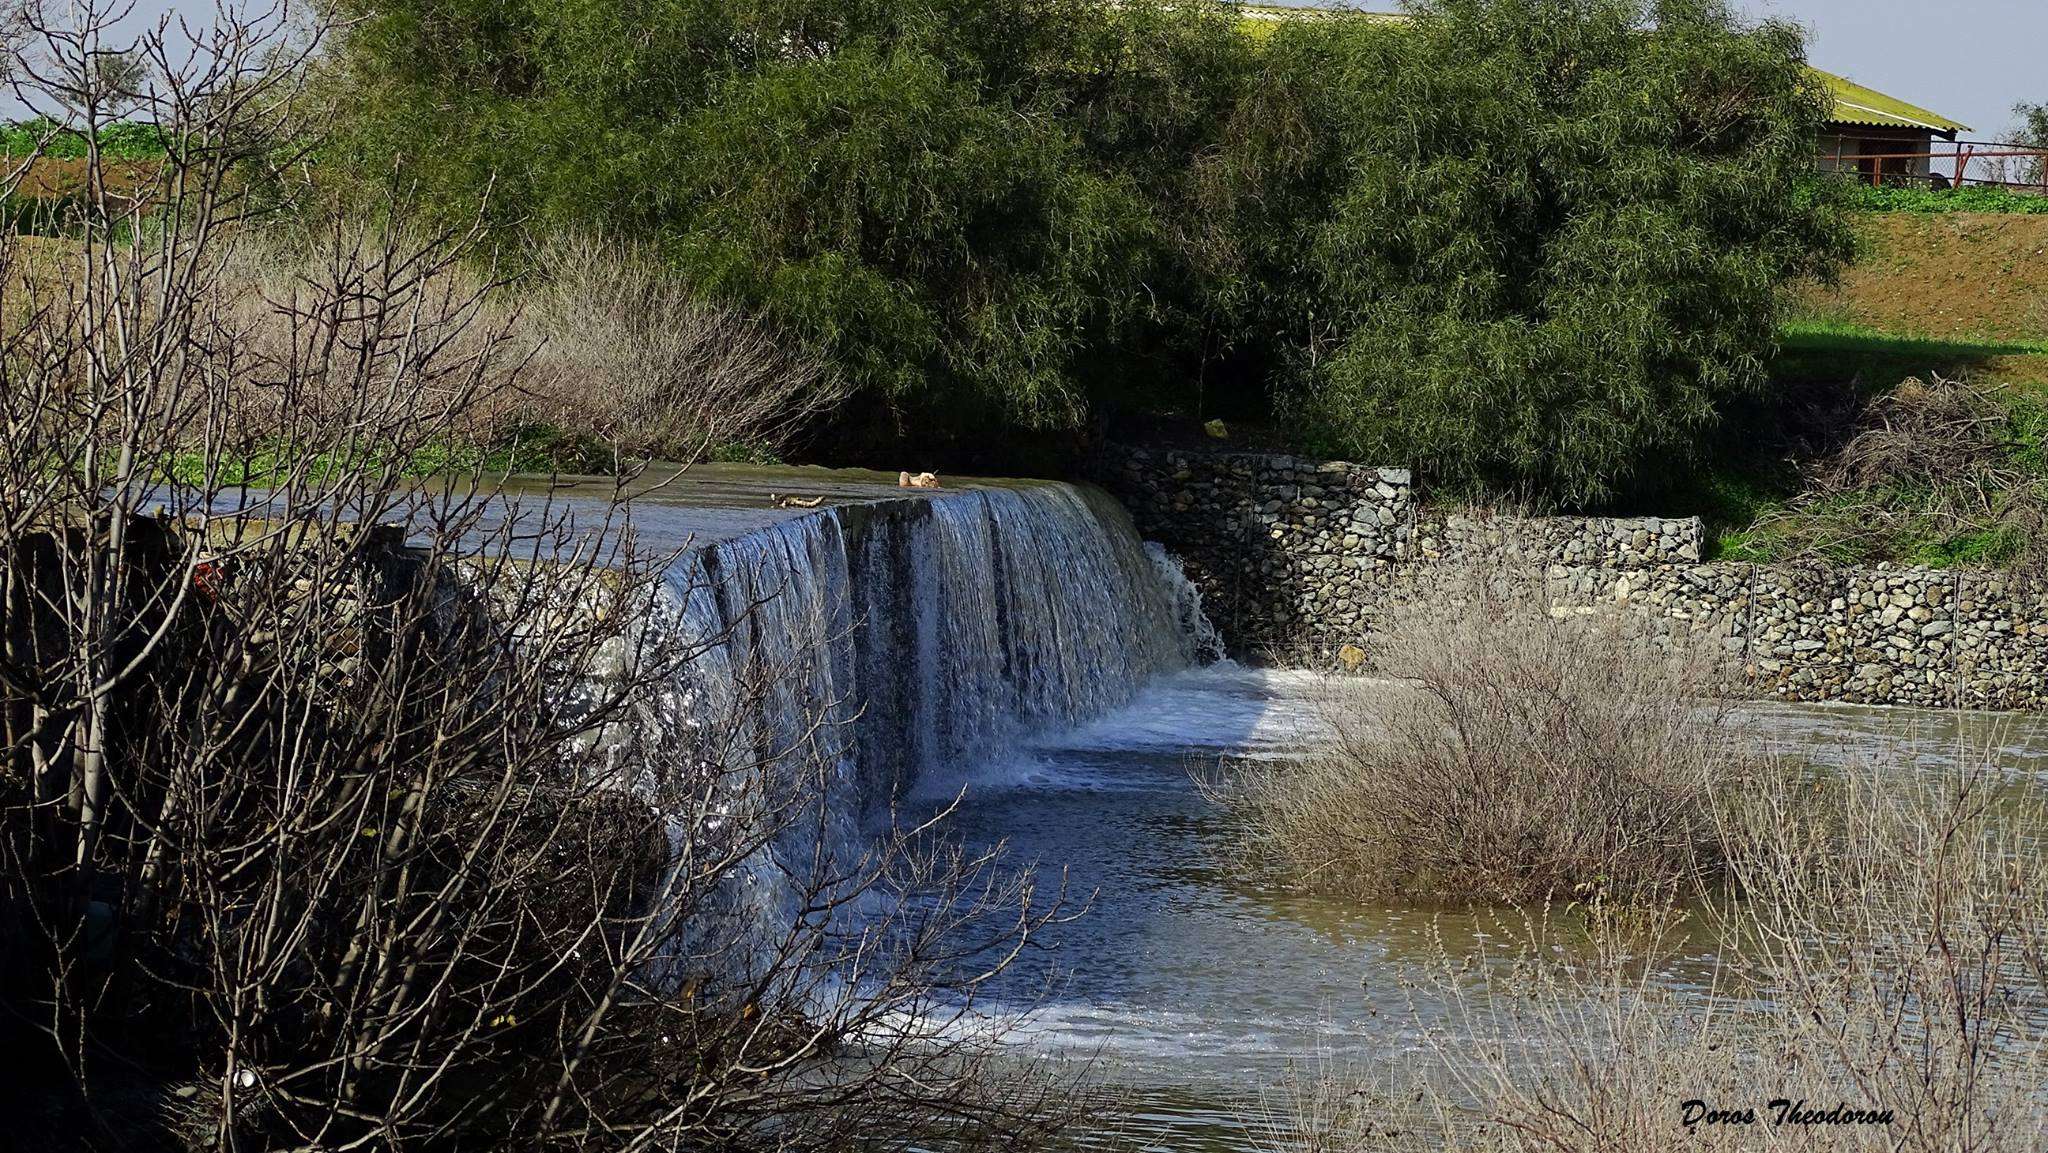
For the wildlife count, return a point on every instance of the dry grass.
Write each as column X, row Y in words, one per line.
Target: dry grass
column 1535, row 757
column 1941, row 472
column 1951, row 276
column 1873, row 940
column 1921, row 433
column 1888, row 959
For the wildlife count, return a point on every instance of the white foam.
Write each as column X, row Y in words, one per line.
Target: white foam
column 1224, row 708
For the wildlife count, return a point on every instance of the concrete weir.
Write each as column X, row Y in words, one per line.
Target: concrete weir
column 934, row 625
column 887, row 637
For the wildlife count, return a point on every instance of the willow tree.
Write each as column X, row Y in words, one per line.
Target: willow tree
column 1530, row 244
column 962, row 206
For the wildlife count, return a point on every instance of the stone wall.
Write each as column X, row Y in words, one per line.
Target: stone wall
column 1287, row 552
column 1622, row 542
column 1298, row 558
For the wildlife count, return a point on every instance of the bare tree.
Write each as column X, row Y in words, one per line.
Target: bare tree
column 340, row 810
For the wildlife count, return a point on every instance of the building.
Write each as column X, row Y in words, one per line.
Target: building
column 1881, row 137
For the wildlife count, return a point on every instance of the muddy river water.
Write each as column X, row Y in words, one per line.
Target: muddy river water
column 1200, row 989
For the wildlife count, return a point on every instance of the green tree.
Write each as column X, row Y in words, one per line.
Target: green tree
column 971, row 208
column 1530, row 245
column 2031, row 131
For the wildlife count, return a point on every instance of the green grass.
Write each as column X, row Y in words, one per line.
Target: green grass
column 126, row 141
column 741, row 452
column 1928, row 200
column 1831, row 350
column 1911, row 536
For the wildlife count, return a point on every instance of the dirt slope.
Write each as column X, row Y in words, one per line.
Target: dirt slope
column 1965, row 276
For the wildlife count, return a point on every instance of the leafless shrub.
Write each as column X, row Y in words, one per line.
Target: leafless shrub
column 1919, row 433
column 278, row 283
column 596, row 340
column 331, row 815
column 1887, row 960
column 1530, row 756
column 626, row 346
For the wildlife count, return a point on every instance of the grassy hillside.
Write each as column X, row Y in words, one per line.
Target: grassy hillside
column 1945, row 293
column 1823, row 349
column 1912, row 406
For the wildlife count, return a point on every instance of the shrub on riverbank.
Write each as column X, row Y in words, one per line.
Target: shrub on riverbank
column 1529, row 758
column 1886, row 962
column 967, row 209
column 628, row 354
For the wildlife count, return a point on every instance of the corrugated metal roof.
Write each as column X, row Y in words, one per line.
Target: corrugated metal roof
column 1854, row 103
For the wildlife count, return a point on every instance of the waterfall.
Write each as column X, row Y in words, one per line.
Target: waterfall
column 1187, row 605
column 906, row 640
column 933, row 631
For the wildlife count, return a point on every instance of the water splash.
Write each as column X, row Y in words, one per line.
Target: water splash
column 1187, row 605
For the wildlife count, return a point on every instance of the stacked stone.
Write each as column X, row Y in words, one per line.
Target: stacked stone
column 2001, row 641
column 1300, row 560
column 1681, row 602
column 1289, row 553
column 1609, row 542
column 1891, row 636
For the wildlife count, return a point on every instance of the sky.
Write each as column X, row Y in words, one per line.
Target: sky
column 1969, row 60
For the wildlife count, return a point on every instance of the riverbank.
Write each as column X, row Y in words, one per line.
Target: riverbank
column 1217, row 996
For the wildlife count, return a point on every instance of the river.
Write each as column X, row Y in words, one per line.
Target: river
column 1016, row 649
column 1201, row 988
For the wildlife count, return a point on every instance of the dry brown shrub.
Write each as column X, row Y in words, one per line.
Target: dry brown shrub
column 308, row 304
column 1932, row 462
column 1920, row 433
column 627, row 351
column 1529, row 756
column 1887, row 957
column 597, row 341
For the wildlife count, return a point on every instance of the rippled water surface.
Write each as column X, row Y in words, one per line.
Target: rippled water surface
column 1199, row 987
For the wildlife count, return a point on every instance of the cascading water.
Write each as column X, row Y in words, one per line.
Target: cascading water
column 903, row 641
column 1187, row 605
column 937, row 629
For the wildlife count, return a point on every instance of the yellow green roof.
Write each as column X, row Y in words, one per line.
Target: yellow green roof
column 1259, row 20
column 1854, row 103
